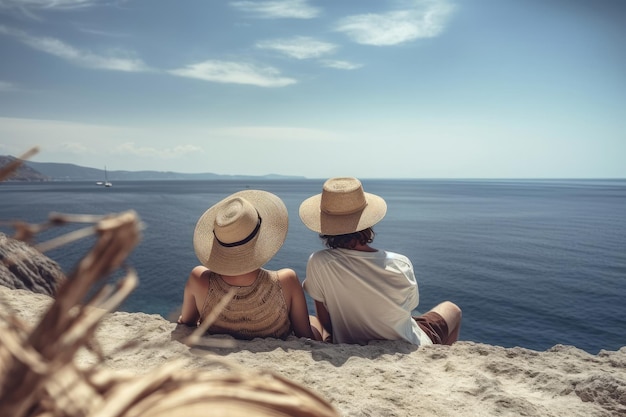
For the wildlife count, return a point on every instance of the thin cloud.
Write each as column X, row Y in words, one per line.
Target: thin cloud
column 276, row 133
column 426, row 20
column 129, row 148
column 102, row 33
column 48, row 4
column 94, row 142
column 76, row 56
column 279, row 9
column 30, row 8
column 342, row 65
column 75, row 148
column 300, row 47
column 7, row 86
column 234, row 73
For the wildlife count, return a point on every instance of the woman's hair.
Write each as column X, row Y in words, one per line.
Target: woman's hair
column 350, row 240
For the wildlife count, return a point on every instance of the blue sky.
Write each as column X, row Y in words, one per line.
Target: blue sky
column 367, row 88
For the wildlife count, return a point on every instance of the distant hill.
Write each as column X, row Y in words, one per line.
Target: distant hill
column 23, row 172
column 53, row 171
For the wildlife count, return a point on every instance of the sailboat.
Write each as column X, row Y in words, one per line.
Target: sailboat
column 107, row 183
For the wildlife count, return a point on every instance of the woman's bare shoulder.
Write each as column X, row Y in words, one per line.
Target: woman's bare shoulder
column 199, row 270
column 287, row 276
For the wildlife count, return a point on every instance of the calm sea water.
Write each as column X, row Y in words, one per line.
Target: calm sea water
column 531, row 263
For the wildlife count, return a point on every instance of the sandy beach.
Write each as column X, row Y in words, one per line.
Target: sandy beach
column 382, row 378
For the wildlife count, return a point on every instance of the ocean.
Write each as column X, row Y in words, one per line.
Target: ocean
column 532, row 263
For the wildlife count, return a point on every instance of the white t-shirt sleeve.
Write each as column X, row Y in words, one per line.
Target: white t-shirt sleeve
column 402, row 265
column 312, row 284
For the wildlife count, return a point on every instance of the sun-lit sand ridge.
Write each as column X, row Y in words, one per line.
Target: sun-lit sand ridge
column 385, row 378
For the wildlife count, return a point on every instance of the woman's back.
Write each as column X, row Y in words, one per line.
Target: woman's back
column 257, row 310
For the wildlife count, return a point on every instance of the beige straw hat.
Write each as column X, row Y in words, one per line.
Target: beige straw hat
column 241, row 233
column 342, row 207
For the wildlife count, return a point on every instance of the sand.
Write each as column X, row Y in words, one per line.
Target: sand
column 382, row 378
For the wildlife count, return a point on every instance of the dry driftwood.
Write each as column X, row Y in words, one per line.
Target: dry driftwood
column 39, row 375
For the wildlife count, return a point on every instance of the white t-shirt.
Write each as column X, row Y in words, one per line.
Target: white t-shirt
column 369, row 295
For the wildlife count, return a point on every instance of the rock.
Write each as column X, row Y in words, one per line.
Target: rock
column 23, row 172
column 382, row 378
column 23, row 267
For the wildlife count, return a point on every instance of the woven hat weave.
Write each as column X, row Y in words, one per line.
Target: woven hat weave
column 342, row 207
column 241, row 233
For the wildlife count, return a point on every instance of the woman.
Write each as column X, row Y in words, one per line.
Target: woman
column 362, row 293
column 233, row 240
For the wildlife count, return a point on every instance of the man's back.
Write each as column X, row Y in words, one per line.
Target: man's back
column 368, row 295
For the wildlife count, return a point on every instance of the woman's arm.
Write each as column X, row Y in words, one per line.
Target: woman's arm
column 195, row 291
column 296, row 303
column 324, row 318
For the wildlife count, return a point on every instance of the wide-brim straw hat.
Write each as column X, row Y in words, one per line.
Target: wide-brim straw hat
column 342, row 208
column 241, row 233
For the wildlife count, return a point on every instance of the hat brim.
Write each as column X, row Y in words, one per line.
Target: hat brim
column 253, row 254
column 328, row 224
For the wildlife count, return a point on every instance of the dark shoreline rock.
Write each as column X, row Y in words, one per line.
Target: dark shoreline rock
column 23, row 267
column 23, row 172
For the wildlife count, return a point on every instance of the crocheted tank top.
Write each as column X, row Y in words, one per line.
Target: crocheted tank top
column 258, row 310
